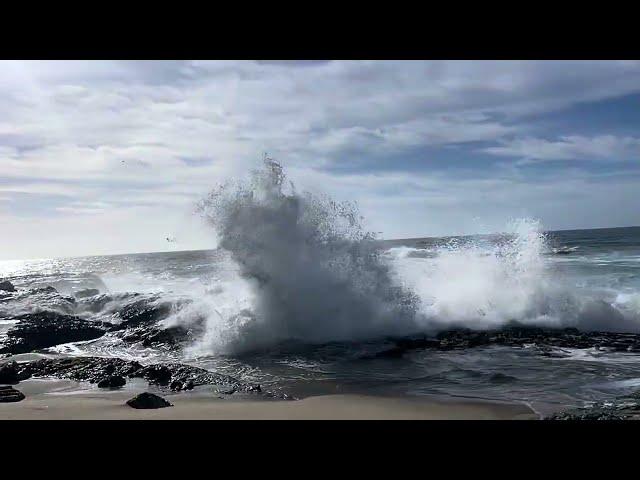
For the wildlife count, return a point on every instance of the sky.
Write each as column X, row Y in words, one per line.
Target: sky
column 100, row 157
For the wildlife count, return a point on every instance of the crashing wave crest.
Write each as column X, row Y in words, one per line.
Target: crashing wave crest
column 305, row 269
column 314, row 273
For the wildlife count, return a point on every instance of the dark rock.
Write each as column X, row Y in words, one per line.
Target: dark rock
column 46, row 329
column 40, row 299
column 626, row 407
column 548, row 342
column 87, row 292
column 229, row 391
column 590, row 413
column 90, row 369
column 158, row 374
column 148, row 400
column 140, row 324
column 178, row 385
column 7, row 286
column 9, row 394
column 113, row 381
column 103, row 301
column 9, row 373
column 171, row 338
column 142, row 312
column 94, row 369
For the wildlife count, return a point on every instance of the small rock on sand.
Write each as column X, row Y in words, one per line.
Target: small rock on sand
column 10, row 394
column 148, row 400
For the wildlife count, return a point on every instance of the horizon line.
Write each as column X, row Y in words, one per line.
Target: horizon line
column 376, row 240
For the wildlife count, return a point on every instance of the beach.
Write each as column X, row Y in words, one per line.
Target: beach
column 67, row 400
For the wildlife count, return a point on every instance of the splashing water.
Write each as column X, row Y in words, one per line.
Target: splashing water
column 488, row 283
column 482, row 284
column 314, row 273
column 304, row 269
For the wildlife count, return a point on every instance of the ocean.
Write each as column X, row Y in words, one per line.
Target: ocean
column 299, row 298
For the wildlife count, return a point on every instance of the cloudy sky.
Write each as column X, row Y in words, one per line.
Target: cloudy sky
column 109, row 157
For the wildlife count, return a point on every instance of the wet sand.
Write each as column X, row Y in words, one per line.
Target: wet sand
column 66, row 400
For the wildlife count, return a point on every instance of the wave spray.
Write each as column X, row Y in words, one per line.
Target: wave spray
column 302, row 268
column 314, row 274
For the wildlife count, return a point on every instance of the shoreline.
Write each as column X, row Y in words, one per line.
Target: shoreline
column 49, row 399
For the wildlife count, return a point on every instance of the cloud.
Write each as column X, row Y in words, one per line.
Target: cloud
column 108, row 138
column 574, row 147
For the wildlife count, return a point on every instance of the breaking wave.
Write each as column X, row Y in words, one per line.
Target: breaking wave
column 306, row 266
column 303, row 268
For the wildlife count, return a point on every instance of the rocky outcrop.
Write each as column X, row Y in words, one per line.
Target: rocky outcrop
column 176, row 376
column 38, row 299
column 170, row 338
column 148, row 400
column 112, row 381
column 103, row 301
column 142, row 312
column 626, row 407
column 548, row 342
column 47, row 329
column 7, row 286
column 10, row 394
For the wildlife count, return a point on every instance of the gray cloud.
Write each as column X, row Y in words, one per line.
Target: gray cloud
column 119, row 141
column 572, row 147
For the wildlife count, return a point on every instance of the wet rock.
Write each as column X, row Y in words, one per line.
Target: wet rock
column 113, row 381
column 140, row 323
column 47, row 329
column 90, row 369
column 103, row 301
column 7, row 286
column 158, row 374
column 148, row 400
column 626, row 407
column 94, row 369
column 10, row 394
column 548, row 342
column 159, row 336
column 598, row 412
column 87, row 292
column 39, row 299
column 177, row 385
column 228, row 391
column 146, row 311
column 9, row 373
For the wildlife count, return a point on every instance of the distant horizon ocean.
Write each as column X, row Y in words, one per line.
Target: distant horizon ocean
column 381, row 240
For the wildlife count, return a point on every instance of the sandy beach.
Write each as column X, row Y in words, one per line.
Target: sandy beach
column 66, row 400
